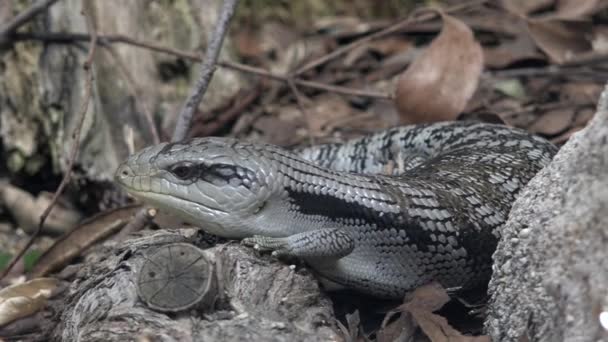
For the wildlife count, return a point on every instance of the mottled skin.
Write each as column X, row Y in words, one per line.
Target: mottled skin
column 382, row 214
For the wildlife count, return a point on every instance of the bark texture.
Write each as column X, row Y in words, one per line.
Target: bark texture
column 259, row 300
column 42, row 84
column 550, row 280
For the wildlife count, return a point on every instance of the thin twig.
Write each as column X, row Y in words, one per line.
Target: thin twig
column 207, row 70
column 87, row 66
column 300, row 104
column 387, row 31
column 131, row 83
column 24, row 17
column 68, row 38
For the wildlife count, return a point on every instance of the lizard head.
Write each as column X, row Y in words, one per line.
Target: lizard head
column 219, row 184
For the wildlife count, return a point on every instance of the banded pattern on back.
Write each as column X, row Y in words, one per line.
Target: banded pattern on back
column 453, row 184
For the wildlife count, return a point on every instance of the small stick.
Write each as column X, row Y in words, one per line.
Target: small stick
column 207, row 69
column 300, row 102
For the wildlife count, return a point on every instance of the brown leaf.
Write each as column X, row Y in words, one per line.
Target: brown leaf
column 23, row 299
column 325, row 112
column 423, row 302
column 88, row 232
column 525, row 7
column 583, row 116
column 562, row 138
column 577, row 9
column 431, row 297
column 560, row 39
column 401, row 329
column 553, row 121
column 438, row 84
column 512, row 51
column 278, row 130
column 581, row 92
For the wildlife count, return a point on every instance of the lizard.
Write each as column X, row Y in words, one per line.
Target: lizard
column 381, row 214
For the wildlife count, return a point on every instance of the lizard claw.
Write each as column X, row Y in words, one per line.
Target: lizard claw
column 278, row 246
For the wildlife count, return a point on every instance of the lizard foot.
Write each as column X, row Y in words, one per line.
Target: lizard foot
column 278, row 246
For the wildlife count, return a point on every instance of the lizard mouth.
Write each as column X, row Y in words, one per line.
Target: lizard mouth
column 171, row 201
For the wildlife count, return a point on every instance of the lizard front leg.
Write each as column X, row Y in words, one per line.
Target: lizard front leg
column 327, row 242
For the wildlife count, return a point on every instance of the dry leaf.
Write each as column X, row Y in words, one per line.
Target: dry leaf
column 583, row 116
column 423, row 302
column 24, row 299
column 525, row 7
column 553, row 121
column 401, row 329
column 325, row 112
column 581, row 92
column 86, row 234
column 560, row 39
column 438, row 84
column 279, row 131
column 522, row 48
column 562, row 138
column 577, row 9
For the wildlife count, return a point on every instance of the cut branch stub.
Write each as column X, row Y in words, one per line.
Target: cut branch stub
column 176, row 277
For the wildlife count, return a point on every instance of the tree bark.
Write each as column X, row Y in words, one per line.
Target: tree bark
column 550, row 280
column 42, row 83
column 259, row 299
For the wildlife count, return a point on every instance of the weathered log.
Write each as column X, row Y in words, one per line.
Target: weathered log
column 258, row 299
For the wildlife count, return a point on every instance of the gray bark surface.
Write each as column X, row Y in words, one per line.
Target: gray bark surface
column 259, row 300
column 42, row 85
column 550, row 280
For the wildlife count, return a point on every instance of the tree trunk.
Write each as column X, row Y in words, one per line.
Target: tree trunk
column 550, row 280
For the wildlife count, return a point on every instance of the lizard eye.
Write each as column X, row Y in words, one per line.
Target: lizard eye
column 183, row 170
